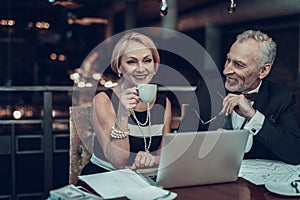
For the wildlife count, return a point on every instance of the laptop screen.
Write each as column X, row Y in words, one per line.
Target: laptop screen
column 197, row 158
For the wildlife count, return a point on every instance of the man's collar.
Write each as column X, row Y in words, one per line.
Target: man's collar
column 255, row 90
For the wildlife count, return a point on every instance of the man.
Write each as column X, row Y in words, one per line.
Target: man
column 275, row 132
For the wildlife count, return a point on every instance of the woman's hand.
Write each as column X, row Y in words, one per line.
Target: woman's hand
column 145, row 160
column 128, row 99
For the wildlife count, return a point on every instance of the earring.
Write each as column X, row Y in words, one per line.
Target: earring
column 119, row 75
column 154, row 73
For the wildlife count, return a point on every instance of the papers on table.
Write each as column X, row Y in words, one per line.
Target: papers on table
column 260, row 172
column 71, row 192
column 125, row 182
column 150, row 193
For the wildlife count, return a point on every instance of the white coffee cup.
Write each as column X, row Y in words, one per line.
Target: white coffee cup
column 147, row 92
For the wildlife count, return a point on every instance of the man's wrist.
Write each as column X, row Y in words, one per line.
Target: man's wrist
column 255, row 123
column 253, row 112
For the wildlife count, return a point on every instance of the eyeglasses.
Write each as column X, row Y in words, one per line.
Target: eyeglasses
column 213, row 118
column 208, row 121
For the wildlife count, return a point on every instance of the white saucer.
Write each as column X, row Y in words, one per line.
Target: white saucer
column 282, row 188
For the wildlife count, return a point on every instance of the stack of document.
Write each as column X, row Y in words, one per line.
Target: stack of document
column 260, row 172
column 125, row 183
column 71, row 192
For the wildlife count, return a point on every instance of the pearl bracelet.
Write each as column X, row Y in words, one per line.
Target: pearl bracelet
column 116, row 134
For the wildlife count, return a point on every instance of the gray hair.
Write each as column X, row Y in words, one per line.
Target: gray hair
column 267, row 45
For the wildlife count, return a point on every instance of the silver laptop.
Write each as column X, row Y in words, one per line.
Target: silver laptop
column 200, row 158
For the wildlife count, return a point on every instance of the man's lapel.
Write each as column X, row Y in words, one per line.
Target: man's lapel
column 262, row 98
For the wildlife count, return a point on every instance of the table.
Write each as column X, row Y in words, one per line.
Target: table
column 239, row 190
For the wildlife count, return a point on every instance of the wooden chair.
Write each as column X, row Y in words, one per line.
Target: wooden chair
column 81, row 140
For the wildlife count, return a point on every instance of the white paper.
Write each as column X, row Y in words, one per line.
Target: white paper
column 259, row 171
column 150, row 193
column 121, row 183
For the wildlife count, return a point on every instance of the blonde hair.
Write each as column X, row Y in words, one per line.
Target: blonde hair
column 121, row 45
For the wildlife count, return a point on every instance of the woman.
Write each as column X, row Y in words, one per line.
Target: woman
column 129, row 132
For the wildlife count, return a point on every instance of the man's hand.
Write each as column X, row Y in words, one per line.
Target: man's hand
column 239, row 104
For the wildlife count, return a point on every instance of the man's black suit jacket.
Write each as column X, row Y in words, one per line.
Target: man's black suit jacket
column 279, row 137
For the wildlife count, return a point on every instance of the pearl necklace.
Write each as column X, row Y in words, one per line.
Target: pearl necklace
column 148, row 118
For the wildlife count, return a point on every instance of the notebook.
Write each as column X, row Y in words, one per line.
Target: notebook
column 199, row 158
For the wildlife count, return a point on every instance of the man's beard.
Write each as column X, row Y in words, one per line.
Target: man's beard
column 239, row 87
